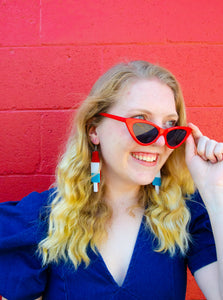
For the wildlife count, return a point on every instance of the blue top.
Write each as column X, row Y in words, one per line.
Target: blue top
column 150, row 275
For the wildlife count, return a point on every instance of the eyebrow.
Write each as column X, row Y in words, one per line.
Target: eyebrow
column 171, row 115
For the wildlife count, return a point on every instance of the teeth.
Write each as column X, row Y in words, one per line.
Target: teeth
column 149, row 158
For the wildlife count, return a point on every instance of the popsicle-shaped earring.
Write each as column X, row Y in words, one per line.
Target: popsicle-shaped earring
column 95, row 170
column 157, row 182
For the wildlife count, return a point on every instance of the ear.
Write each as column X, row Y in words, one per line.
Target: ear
column 93, row 134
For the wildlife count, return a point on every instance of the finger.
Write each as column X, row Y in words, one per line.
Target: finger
column 195, row 131
column 218, row 151
column 190, row 149
column 209, row 151
column 201, row 146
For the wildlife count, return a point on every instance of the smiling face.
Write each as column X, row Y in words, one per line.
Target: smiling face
column 124, row 160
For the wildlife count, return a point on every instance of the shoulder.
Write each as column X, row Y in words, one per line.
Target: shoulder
column 198, row 211
column 31, row 203
column 194, row 202
column 23, row 225
column 28, row 213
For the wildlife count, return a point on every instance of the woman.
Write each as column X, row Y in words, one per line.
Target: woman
column 132, row 233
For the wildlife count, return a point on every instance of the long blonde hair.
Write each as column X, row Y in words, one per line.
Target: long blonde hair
column 78, row 215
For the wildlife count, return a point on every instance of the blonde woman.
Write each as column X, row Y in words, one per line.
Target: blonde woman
column 132, row 235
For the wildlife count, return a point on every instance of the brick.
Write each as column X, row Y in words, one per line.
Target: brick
column 55, row 130
column 209, row 120
column 47, row 77
column 197, row 68
column 103, row 21
column 20, row 142
column 189, row 20
column 14, row 188
column 19, row 23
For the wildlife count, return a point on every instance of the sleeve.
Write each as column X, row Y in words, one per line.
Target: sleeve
column 22, row 226
column 202, row 245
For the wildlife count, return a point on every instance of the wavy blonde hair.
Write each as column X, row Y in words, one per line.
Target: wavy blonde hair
column 78, row 215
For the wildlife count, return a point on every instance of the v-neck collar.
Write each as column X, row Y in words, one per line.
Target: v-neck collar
column 131, row 263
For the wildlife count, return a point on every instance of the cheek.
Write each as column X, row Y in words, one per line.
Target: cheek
column 113, row 132
column 115, row 144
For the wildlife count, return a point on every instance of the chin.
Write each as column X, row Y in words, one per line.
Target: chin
column 144, row 182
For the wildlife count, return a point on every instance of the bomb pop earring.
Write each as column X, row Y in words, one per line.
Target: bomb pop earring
column 157, row 182
column 95, row 169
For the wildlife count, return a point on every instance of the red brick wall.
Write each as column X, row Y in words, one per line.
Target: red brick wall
column 51, row 52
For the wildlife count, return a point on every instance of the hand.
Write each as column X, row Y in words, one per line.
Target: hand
column 204, row 158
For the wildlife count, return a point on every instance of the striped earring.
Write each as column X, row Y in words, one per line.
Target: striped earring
column 95, row 169
column 157, row 182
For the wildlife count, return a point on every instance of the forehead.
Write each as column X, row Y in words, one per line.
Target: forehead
column 151, row 95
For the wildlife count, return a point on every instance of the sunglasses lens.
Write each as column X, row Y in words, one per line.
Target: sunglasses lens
column 145, row 133
column 176, row 136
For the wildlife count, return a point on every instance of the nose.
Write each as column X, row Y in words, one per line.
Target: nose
column 160, row 141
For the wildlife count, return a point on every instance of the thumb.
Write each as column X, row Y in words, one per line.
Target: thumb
column 190, row 149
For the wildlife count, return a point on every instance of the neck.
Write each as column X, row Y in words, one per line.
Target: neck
column 120, row 200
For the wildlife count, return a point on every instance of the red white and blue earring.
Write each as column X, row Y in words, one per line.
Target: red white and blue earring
column 157, row 182
column 95, row 170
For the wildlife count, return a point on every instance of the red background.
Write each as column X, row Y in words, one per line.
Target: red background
column 52, row 51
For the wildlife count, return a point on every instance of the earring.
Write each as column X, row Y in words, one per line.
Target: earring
column 95, row 169
column 157, row 182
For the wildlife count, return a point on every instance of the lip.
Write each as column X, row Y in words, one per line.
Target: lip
column 138, row 157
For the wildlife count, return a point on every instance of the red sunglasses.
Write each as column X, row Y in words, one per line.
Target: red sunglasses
column 146, row 133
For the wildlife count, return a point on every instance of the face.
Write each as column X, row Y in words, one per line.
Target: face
column 124, row 160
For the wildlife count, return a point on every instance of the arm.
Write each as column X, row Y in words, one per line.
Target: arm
column 204, row 158
column 210, row 277
column 207, row 280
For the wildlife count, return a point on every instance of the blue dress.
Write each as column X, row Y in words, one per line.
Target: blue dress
column 150, row 275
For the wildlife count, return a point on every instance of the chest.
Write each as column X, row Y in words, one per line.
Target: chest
column 147, row 271
column 118, row 249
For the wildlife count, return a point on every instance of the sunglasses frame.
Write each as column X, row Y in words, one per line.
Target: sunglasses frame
column 161, row 132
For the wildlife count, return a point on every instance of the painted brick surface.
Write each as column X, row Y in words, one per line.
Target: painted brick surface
column 51, row 52
column 15, row 187
column 47, row 77
column 209, row 120
column 55, row 130
column 102, row 21
column 193, row 21
column 20, row 142
column 193, row 291
column 119, row 22
column 19, row 23
column 198, row 69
